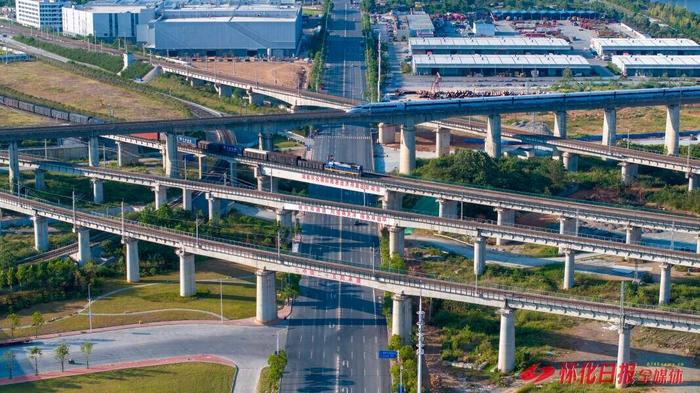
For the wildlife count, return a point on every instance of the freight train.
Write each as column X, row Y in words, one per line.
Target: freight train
column 49, row 112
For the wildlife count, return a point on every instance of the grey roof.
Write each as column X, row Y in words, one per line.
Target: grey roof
column 644, row 43
column 419, row 22
column 657, row 61
column 500, row 61
column 504, row 43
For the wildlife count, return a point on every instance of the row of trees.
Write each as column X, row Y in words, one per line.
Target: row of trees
column 35, row 353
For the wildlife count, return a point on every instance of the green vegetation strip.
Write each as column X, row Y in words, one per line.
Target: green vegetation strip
column 105, row 61
column 318, row 49
column 185, row 377
column 271, row 375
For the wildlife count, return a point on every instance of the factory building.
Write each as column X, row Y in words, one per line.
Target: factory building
column 420, row 25
column 107, row 20
column 40, row 14
column 658, row 65
column 242, row 30
column 483, row 29
column 487, row 45
column 499, row 65
column 644, row 46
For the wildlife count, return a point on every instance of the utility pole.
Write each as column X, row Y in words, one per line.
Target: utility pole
column 419, row 350
column 379, row 67
column 221, row 300
column 90, row 307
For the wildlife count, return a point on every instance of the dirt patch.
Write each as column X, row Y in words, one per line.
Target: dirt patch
column 52, row 83
column 11, row 117
column 286, row 74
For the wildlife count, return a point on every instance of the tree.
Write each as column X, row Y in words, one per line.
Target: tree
column 13, row 321
column 61, row 352
column 35, row 354
column 86, row 348
column 9, row 357
column 37, row 322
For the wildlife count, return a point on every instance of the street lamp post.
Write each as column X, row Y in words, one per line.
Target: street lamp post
column 221, row 300
column 90, row 307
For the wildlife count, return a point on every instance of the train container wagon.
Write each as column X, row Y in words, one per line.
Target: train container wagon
column 11, row 102
column 26, row 106
column 42, row 110
column 61, row 115
column 282, row 158
column 78, row 118
column 344, row 167
column 187, row 140
column 154, row 136
column 310, row 164
column 255, row 154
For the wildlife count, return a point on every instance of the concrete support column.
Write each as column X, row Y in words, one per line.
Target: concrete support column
column 126, row 154
column 188, row 284
column 186, row 199
column 255, row 99
column 447, row 208
column 609, row 126
column 407, row 153
column 161, row 195
column 84, row 252
column 13, row 157
column 201, row 166
column 693, row 182
column 479, row 255
column 697, row 244
column 442, row 142
column 266, row 298
column 569, row 261
column 284, row 218
column 629, row 173
column 623, row 353
column 492, row 144
column 233, row 172
column 265, row 141
column 386, row 134
column 171, row 167
column 506, row 341
column 224, row 91
column 570, row 161
column 673, row 129
column 392, row 200
column 567, row 226
column 396, row 242
column 93, row 151
column 214, row 207
column 98, row 195
column 196, row 82
column 633, row 235
column 401, row 317
column 665, row 283
column 41, row 233
column 132, row 260
column 39, row 182
column 560, row 124
column 505, row 217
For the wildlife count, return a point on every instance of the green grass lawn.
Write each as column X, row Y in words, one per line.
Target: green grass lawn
column 185, row 377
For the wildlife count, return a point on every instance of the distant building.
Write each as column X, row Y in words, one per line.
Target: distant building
column 644, row 46
column 40, row 14
column 107, row 20
column 493, row 65
column 658, row 65
column 487, row 45
column 483, row 29
column 420, row 25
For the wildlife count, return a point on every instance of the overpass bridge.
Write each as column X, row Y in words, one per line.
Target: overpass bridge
column 396, row 221
column 506, row 300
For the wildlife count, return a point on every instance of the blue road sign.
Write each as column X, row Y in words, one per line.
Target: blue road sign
column 400, row 389
column 388, row 354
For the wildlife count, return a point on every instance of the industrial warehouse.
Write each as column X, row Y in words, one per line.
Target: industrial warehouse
column 487, row 45
column 658, row 65
column 644, row 46
column 500, row 65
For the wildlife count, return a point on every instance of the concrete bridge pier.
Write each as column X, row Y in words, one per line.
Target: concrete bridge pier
column 623, row 353
column 132, row 260
column 213, row 207
column 161, row 195
column 171, row 167
column 386, row 134
column 284, row 218
column 401, row 318
column 98, row 195
column 479, row 255
column 266, row 298
column 609, row 126
column 693, row 181
column 14, row 175
column 560, row 124
column 442, row 142
column 567, row 226
column 492, row 144
column 224, row 91
column 505, row 217
column 126, row 154
column 629, row 173
column 633, row 235
column 41, row 233
column 265, row 141
column 392, row 200
column 697, row 244
column 188, row 284
column 407, row 153
column 569, row 267
column 233, row 172
column 255, row 99
column 665, row 283
column 396, row 240
column 201, row 166
column 39, row 182
column 186, row 199
column 93, row 151
column 84, row 251
column 447, row 208
column 506, row 341
column 570, row 161
column 673, row 129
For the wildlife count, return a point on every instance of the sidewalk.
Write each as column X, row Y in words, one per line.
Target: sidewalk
column 201, row 358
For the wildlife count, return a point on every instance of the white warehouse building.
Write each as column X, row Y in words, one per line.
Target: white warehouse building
column 487, row 45
column 658, row 65
column 500, row 65
column 107, row 20
column 40, row 14
column 644, row 46
column 244, row 30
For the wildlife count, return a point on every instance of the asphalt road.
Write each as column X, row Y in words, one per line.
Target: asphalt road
column 336, row 329
column 247, row 346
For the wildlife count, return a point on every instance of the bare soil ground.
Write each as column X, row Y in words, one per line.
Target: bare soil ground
column 52, row 83
column 287, row 74
column 12, row 117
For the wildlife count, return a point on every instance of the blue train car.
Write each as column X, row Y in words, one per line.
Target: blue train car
column 344, row 168
column 187, row 140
